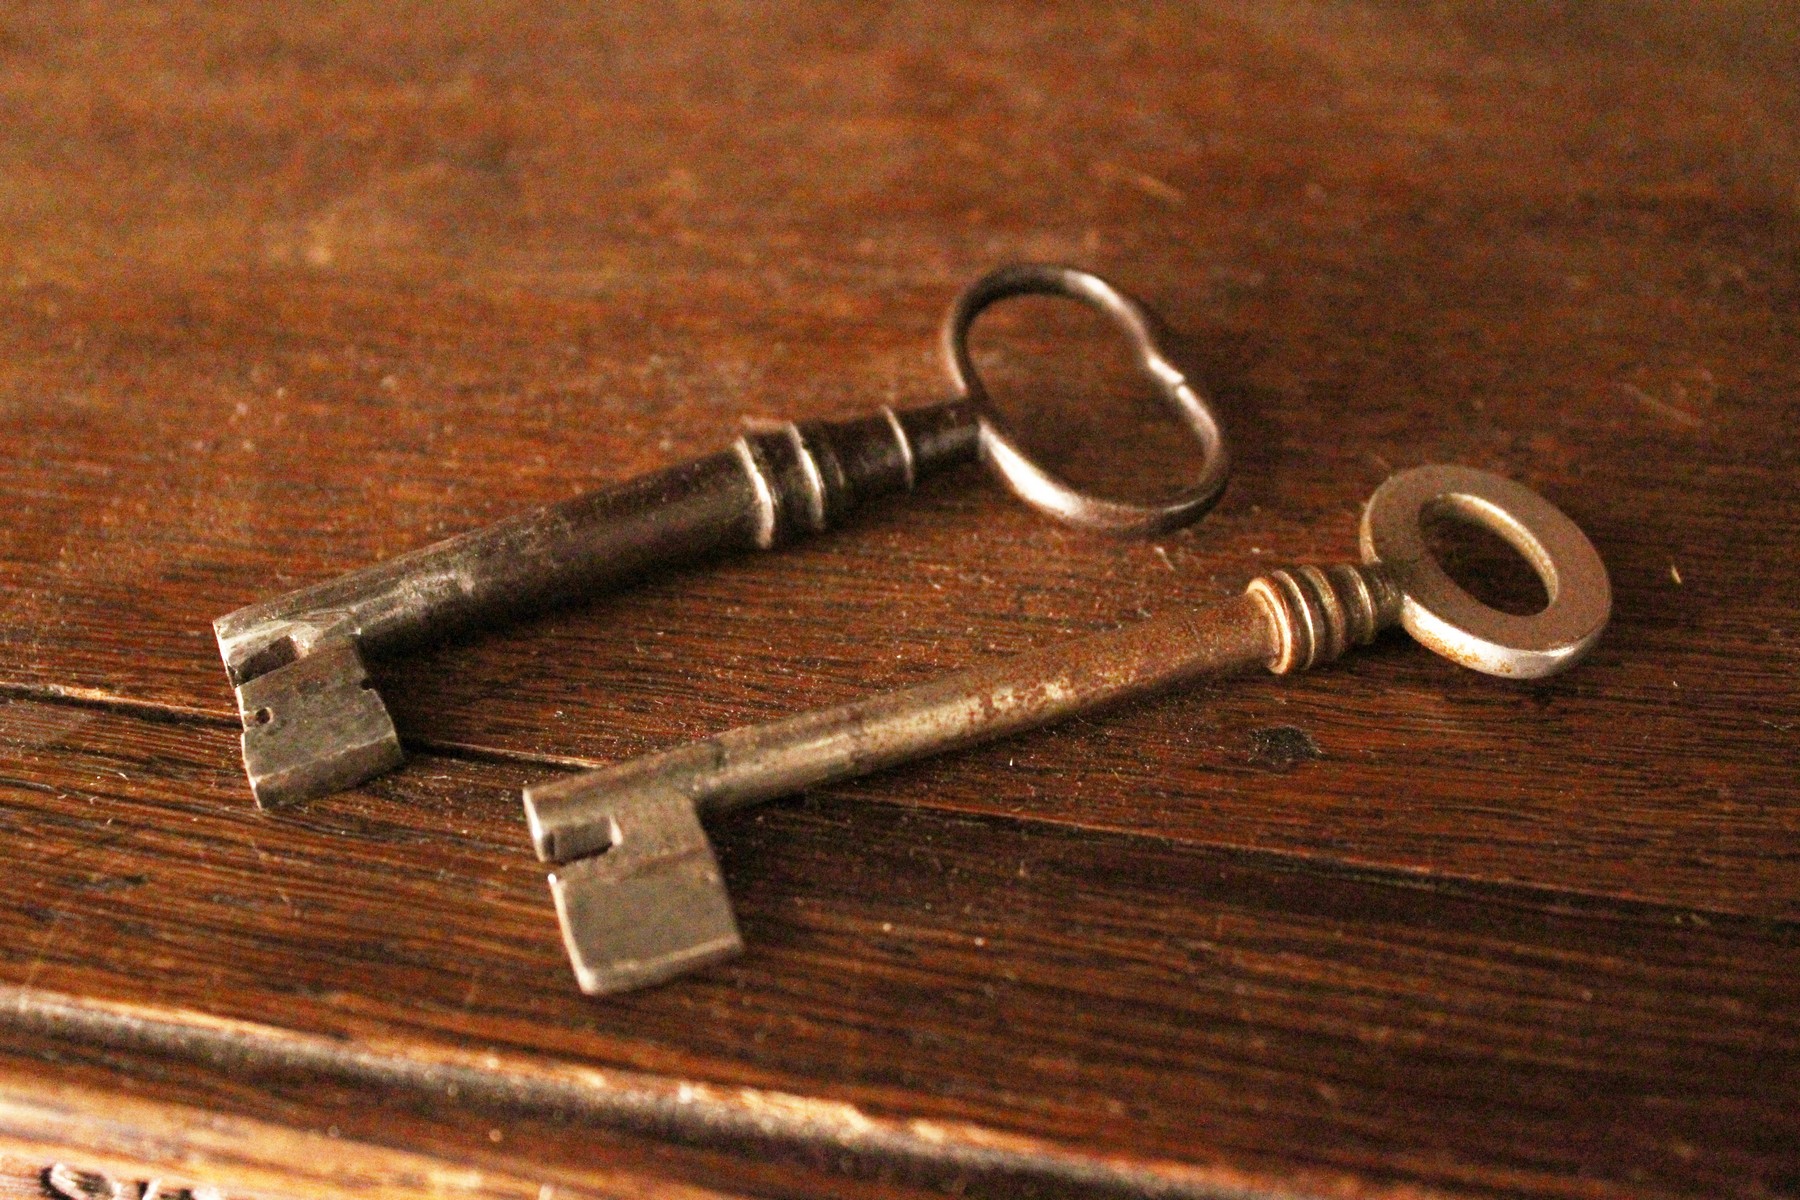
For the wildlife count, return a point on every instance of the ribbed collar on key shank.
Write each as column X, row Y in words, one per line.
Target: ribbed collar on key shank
column 1317, row 613
column 805, row 477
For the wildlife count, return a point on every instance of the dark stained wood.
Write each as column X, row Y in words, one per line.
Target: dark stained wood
column 286, row 291
column 1073, row 989
column 246, row 436
column 20, row 1177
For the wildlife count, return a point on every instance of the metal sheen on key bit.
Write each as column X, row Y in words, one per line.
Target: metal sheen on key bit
column 638, row 892
column 313, row 723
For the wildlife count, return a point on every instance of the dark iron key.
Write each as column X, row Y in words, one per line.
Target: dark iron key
column 313, row 723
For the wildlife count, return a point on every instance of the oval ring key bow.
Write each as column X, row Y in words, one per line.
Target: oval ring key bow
column 313, row 723
column 638, row 891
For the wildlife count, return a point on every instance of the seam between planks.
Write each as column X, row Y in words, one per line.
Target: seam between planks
column 639, row 1102
column 159, row 711
column 1525, row 895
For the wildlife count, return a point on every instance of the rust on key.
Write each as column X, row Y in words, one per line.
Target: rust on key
column 631, row 918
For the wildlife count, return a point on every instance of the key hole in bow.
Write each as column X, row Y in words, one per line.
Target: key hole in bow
column 1070, row 390
column 1482, row 563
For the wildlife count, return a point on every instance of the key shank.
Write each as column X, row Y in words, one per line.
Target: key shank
column 313, row 723
column 1287, row 620
column 638, row 891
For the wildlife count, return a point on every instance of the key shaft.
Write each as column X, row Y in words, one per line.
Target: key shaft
column 1287, row 620
column 308, row 731
column 638, row 891
column 773, row 485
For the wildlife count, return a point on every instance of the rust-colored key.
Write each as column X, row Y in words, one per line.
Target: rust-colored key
column 637, row 888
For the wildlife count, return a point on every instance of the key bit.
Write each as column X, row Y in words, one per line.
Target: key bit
column 313, row 725
column 1287, row 620
column 652, row 904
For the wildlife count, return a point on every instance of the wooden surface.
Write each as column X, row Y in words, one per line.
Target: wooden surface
column 286, row 291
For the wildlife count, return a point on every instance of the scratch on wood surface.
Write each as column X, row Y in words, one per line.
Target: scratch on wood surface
column 40, row 946
column 1679, row 415
column 474, row 988
column 1143, row 181
column 1150, row 185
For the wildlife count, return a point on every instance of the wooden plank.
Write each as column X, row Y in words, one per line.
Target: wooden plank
column 120, row 1147
column 1091, row 1004
column 278, row 305
column 283, row 292
column 20, row 1177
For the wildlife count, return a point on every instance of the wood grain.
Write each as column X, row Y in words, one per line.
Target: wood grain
column 287, row 290
column 112, row 1148
column 1086, row 991
column 1619, row 343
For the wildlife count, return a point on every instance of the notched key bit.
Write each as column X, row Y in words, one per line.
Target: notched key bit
column 1287, row 620
column 651, row 903
column 314, row 726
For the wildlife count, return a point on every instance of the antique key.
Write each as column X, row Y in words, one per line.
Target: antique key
column 313, row 723
column 637, row 889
